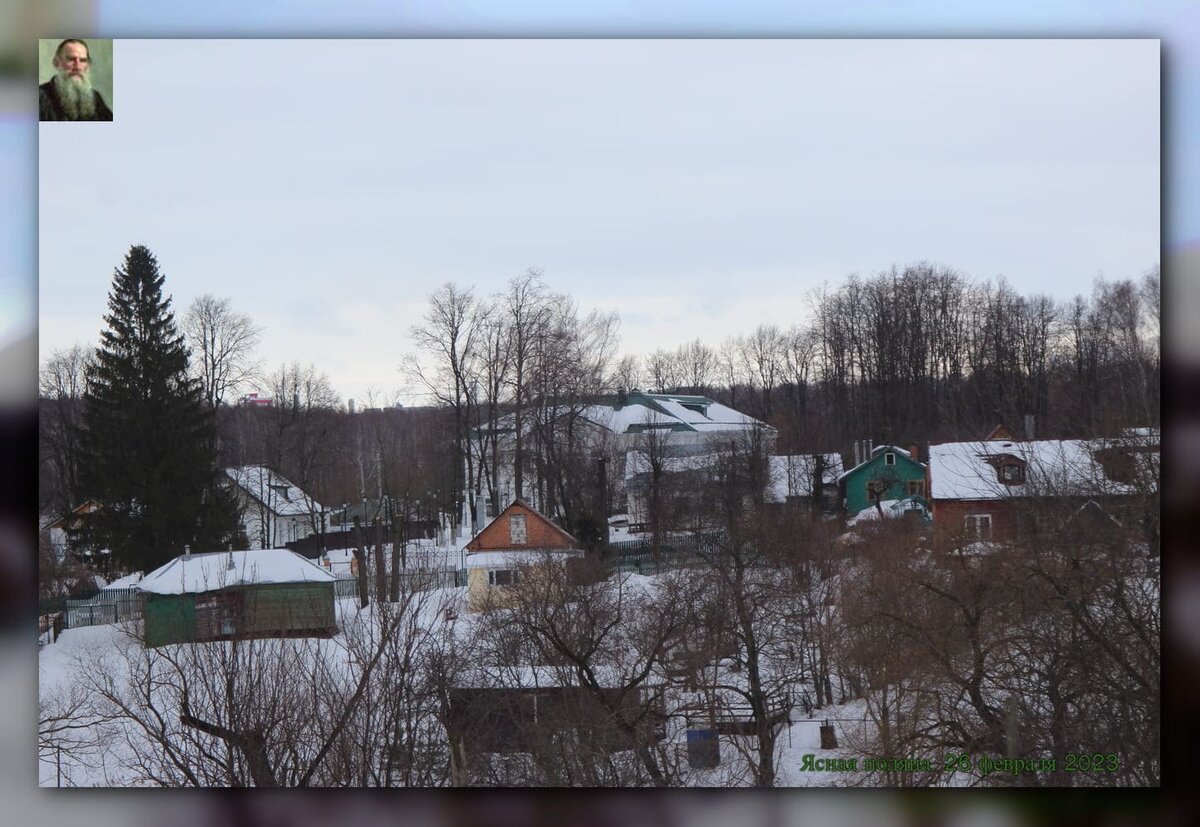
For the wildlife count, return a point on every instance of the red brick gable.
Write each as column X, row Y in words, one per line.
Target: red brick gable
column 540, row 532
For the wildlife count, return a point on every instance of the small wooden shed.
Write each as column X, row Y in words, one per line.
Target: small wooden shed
column 244, row 594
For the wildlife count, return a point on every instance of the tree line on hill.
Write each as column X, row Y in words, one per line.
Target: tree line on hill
column 914, row 354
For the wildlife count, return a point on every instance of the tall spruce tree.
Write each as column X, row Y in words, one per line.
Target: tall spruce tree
column 147, row 438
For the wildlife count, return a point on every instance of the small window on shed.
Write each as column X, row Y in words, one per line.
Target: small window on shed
column 889, row 458
column 516, row 529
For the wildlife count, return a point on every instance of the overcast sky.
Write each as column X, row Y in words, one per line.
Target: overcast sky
column 696, row 187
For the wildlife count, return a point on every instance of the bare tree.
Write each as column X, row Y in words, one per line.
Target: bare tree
column 600, row 641
column 222, row 341
column 60, row 388
column 450, row 339
column 527, row 307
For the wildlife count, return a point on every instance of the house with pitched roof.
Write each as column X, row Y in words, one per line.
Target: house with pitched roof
column 887, row 473
column 995, row 488
column 242, row 594
column 274, row 510
column 518, row 539
column 687, row 428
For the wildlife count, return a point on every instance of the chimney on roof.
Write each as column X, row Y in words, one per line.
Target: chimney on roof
column 857, row 453
column 1029, row 427
column 350, row 403
column 622, row 398
column 187, row 550
column 912, row 450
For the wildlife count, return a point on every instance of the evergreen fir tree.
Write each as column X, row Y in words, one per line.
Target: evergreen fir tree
column 147, row 438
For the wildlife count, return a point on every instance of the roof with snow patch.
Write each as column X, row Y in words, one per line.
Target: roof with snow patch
column 1053, row 467
column 273, row 490
column 222, row 569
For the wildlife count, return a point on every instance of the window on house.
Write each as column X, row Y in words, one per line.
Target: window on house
column 516, row 529
column 502, row 577
column 979, row 526
column 915, row 488
column 1012, row 473
column 889, row 458
column 280, row 491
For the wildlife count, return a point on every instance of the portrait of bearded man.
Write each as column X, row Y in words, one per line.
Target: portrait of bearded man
column 69, row 95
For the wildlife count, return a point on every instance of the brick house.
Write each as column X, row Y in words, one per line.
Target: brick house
column 998, row 488
column 518, row 537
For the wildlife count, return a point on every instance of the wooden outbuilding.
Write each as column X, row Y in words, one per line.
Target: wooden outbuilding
column 243, row 594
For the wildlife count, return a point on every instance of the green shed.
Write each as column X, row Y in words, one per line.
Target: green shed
column 244, row 594
column 889, row 473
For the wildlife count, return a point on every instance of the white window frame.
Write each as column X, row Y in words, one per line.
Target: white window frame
column 974, row 526
column 889, row 458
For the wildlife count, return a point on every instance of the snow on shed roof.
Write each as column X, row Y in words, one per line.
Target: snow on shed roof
column 1053, row 467
column 124, row 582
column 208, row 572
column 273, row 490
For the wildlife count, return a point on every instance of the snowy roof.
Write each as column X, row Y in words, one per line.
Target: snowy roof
column 124, row 582
column 792, row 476
column 678, row 411
column 1053, row 467
column 521, row 557
column 273, row 490
column 670, row 411
column 207, row 572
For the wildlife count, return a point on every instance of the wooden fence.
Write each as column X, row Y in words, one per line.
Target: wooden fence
column 414, row 580
column 675, row 551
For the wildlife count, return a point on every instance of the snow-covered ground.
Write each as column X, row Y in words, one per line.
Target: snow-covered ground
column 100, row 753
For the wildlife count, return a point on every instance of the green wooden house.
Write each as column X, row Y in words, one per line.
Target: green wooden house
column 888, row 473
column 243, row 594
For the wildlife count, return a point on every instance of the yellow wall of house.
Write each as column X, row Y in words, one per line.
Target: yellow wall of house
column 480, row 595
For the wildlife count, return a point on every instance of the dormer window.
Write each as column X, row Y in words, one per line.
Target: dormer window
column 889, row 458
column 280, row 491
column 1009, row 469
